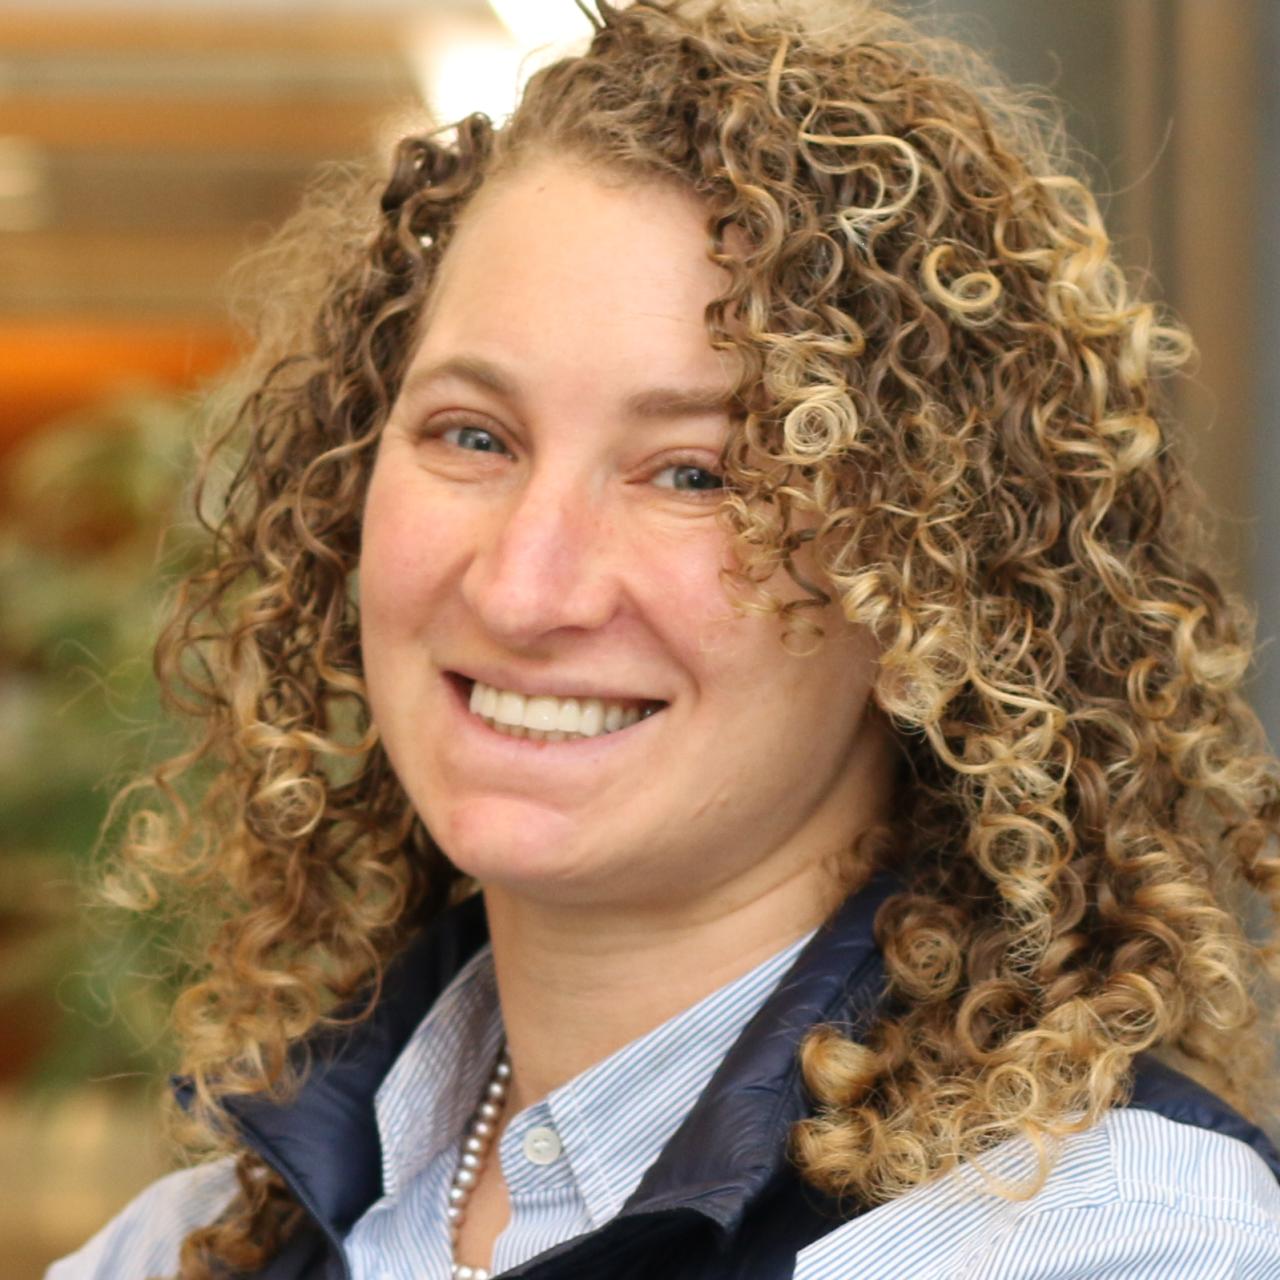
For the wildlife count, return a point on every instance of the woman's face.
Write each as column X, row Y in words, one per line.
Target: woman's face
column 541, row 519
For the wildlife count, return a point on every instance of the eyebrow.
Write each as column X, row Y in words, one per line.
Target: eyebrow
column 652, row 402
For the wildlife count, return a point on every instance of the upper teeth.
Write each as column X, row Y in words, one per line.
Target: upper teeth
column 548, row 714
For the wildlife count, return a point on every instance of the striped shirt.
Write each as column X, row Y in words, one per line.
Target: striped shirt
column 1138, row 1195
column 611, row 1121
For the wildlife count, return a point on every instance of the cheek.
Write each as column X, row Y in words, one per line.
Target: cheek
column 670, row 578
column 806, row 698
column 734, row 645
column 400, row 555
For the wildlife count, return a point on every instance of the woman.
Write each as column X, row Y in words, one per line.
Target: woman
column 722, row 516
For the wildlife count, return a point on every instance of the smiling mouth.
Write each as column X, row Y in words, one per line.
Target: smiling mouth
column 547, row 718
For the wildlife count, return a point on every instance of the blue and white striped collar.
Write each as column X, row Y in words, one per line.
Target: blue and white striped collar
column 613, row 1118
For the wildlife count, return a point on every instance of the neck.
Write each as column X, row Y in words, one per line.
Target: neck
column 578, row 983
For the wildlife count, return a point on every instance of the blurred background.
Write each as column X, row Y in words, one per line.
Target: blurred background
column 146, row 147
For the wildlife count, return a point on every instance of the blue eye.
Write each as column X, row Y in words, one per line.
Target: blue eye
column 687, row 478
column 474, row 439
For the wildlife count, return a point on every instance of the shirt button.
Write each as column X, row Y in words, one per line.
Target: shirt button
column 542, row 1145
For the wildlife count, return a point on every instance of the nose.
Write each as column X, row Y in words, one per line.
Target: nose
column 545, row 559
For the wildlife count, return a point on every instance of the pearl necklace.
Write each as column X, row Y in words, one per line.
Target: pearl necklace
column 475, row 1147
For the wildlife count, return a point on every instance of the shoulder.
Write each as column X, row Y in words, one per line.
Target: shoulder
column 143, row 1239
column 1136, row 1195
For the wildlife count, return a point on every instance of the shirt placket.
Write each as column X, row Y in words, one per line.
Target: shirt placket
column 546, row 1204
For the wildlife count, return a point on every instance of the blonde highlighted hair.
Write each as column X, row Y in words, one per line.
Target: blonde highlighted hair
column 948, row 400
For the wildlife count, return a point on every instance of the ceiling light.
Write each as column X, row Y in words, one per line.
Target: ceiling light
column 535, row 23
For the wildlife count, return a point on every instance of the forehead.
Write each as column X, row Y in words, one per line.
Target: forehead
column 553, row 245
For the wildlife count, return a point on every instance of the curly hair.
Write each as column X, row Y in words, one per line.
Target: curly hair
column 948, row 397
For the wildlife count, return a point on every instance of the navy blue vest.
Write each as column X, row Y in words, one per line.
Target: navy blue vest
column 721, row 1202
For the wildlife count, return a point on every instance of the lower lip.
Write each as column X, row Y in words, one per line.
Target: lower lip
column 515, row 750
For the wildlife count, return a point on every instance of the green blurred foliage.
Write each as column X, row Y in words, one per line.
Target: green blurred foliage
column 94, row 526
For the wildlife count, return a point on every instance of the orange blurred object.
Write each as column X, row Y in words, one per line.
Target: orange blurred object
column 53, row 366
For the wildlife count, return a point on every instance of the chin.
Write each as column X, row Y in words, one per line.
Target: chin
column 514, row 843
